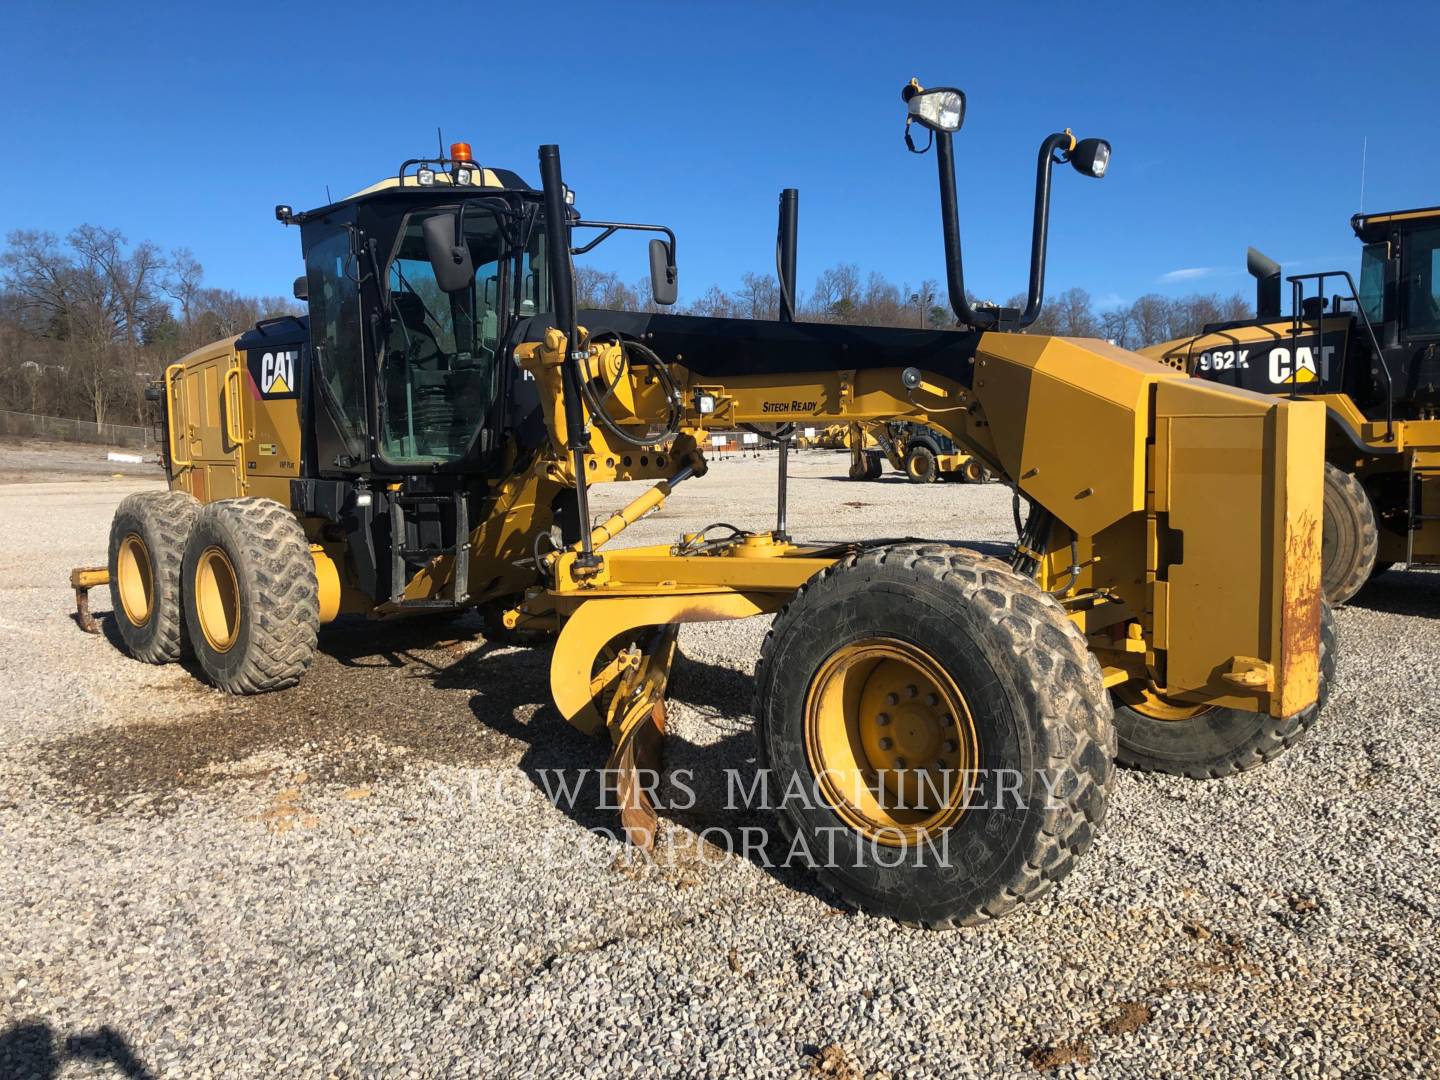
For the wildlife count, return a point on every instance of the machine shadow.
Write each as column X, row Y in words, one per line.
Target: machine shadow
column 32, row 1049
column 712, row 788
column 1401, row 592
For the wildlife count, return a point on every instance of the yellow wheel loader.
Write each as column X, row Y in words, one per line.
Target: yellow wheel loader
column 923, row 454
column 936, row 728
column 1372, row 357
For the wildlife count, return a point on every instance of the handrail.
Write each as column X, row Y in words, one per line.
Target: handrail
column 1296, row 298
column 188, row 462
column 234, row 430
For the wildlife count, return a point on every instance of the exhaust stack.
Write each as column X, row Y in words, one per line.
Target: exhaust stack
column 1266, row 272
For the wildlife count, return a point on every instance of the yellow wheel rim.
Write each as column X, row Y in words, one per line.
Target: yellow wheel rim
column 217, row 599
column 890, row 740
column 919, row 466
column 1147, row 701
column 137, row 584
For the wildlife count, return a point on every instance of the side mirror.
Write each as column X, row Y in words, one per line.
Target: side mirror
column 301, row 288
column 664, row 277
column 449, row 261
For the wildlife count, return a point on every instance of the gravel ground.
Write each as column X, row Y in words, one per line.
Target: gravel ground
column 364, row 876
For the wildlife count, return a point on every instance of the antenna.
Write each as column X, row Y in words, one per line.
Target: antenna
column 440, row 141
column 328, row 199
column 1364, row 148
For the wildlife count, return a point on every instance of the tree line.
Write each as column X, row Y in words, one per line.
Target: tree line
column 88, row 320
column 843, row 294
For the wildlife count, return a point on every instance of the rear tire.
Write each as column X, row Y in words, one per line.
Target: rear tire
column 251, row 597
column 921, row 466
column 1350, row 540
column 986, row 647
column 147, row 544
column 1208, row 743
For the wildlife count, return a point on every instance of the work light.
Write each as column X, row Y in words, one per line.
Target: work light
column 1091, row 157
column 425, row 177
column 940, row 109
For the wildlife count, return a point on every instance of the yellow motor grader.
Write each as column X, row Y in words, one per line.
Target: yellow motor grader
column 938, row 728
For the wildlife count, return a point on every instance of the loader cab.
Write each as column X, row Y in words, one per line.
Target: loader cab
column 1400, row 272
column 407, row 375
column 1400, row 292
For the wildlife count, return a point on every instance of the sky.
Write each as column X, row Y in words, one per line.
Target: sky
column 1232, row 124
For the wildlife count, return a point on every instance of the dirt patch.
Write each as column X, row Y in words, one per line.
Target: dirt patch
column 833, row 1061
column 1045, row 1058
column 1131, row 1017
column 378, row 697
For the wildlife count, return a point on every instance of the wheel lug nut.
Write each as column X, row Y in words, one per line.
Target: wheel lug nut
column 892, row 699
column 900, row 763
column 947, row 720
column 910, row 690
column 932, row 700
column 951, row 746
column 883, row 719
column 886, row 743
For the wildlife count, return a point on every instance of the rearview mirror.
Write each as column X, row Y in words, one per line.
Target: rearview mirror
column 449, row 261
column 301, row 289
column 664, row 277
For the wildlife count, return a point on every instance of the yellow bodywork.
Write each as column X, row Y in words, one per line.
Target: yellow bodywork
column 1194, row 512
column 1186, row 545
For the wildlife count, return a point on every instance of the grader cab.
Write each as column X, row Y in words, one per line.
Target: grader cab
column 938, row 727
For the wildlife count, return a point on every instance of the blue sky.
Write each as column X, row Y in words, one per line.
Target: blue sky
column 1232, row 124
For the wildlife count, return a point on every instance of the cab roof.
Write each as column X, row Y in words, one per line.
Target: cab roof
column 409, row 183
column 1370, row 227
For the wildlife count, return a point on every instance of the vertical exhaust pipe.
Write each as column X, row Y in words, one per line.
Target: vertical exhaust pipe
column 786, row 240
column 1266, row 272
column 562, row 298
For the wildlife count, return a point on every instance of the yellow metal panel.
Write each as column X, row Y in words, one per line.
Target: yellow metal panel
column 1300, row 499
column 1218, row 595
column 1069, row 420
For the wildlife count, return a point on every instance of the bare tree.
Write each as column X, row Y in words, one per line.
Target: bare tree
column 759, row 297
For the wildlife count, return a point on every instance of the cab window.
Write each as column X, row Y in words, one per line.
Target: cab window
column 1373, row 259
column 1422, row 283
column 334, row 305
column 438, row 374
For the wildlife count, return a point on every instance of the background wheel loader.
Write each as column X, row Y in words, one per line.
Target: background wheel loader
column 936, row 728
column 1372, row 357
column 923, row 454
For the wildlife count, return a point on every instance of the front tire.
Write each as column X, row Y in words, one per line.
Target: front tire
column 1350, row 539
column 251, row 597
column 1206, row 742
column 920, row 661
column 147, row 544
